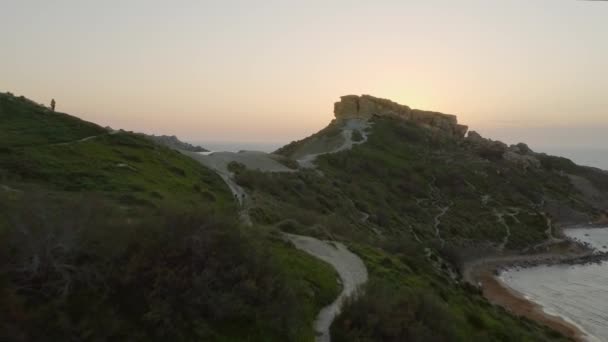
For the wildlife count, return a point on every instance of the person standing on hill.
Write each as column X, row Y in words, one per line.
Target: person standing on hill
column 53, row 105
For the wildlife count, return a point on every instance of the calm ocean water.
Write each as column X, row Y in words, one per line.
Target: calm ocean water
column 578, row 293
column 596, row 157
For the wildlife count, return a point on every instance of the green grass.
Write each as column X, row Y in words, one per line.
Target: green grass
column 150, row 239
column 402, row 303
column 313, row 281
column 401, row 177
column 44, row 148
column 154, row 246
column 24, row 123
column 398, row 180
column 123, row 166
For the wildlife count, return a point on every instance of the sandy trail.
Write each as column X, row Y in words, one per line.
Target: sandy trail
column 350, row 126
column 351, row 270
column 350, row 267
column 442, row 212
column 84, row 139
column 253, row 160
column 9, row 189
column 218, row 161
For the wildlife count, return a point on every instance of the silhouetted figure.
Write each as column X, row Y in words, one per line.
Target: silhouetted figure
column 53, row 105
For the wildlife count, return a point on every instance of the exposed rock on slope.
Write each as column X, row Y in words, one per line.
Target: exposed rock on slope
column 366, row 106
column 520, row 155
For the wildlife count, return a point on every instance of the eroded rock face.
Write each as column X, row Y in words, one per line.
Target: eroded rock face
column 520, row 155
column 366, row 106
column 525, row 161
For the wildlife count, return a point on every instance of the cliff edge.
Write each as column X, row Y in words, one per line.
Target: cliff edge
column 367, row 106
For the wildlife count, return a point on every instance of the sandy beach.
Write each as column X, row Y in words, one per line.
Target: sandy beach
column 500, row 294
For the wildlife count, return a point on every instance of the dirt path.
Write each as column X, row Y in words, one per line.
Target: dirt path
column 219, row 161
column 84, row 139
column 253, row 160
column 442, row 212
column 350, row 268
column 500, row 217
column 9, row 189
column 350, row 126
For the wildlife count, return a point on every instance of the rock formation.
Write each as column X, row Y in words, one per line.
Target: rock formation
column 520, row 154
column 366, row 106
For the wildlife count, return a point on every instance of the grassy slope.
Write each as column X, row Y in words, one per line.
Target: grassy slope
column 40, row 147
column 25, row 123
column 112, row 200
column 401, row 178
column 404, row 175
column 406, row 300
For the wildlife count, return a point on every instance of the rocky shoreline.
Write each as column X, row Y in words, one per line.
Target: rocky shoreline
column 591, row 258
column 485, row 273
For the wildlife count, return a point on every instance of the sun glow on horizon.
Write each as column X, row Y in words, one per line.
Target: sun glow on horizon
column 269, row 74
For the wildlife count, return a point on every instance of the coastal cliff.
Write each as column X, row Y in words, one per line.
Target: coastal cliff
column 367, row 106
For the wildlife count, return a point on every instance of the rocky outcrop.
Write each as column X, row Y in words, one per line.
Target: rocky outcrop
column 366, row 106
column 524, row 161
column 591, row 194
column 486, row 148
column 520, row 154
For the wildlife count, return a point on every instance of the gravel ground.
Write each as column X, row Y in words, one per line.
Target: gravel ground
column 350, row 268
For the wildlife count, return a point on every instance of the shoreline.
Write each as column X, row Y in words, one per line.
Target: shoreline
column 485, row 273
column 497, row 292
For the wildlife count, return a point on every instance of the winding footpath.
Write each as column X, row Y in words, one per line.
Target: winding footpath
column 350, row 126
column 350, row 268
column 442, row 212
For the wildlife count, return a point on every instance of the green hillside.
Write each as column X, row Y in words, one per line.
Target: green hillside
column 25, row 123
column 110, row 236
column 415, row 203
column 63, row 153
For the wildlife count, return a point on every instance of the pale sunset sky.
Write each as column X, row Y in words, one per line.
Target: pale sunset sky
column 515, row 70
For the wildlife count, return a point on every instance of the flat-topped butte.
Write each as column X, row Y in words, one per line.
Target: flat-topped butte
column 367, row 106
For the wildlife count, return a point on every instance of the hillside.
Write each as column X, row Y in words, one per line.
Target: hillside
column 173, row 142
column 110, row 236
column 25, row 123
column 417, row 187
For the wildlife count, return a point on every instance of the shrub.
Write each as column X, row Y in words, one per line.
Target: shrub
column 386, row 313
column 172, row 275
column 357, row 136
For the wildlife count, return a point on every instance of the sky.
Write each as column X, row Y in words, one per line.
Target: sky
column 270, row 71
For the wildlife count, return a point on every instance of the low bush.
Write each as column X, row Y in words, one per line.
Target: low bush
column 78, row 268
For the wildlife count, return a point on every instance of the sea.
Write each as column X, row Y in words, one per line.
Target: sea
column 588, row 156
column 577, row 293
